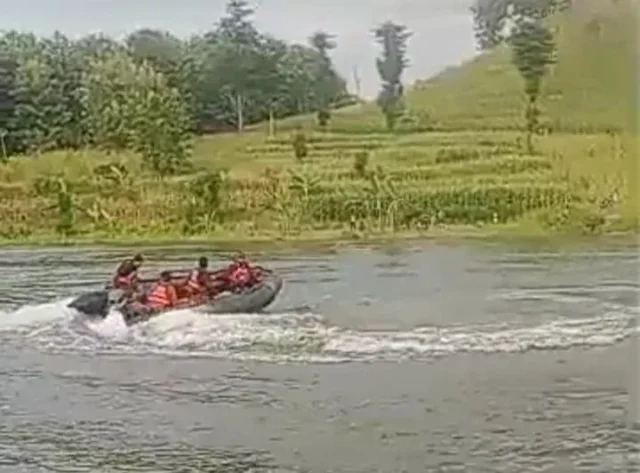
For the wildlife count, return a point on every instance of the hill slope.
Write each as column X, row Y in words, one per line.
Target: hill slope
column 592, row 86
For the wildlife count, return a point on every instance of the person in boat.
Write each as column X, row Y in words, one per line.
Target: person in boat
column 163, row 294
column 240, row 274
column 126, row 276
column 199, row 284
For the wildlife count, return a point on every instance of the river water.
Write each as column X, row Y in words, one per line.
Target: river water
column 423, row 357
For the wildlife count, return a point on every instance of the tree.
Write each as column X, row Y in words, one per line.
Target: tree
column 324, row 80
column 521, row 24
column 227, row 77
column 160, row 49
column 392, row 63
column 44, row 79
column 236, row 56
column 98, row 46
column 39, row 110
column 67, row 66
column 271, row 75
column 492, row 17
column 8, row 72
column 131, row 106
column 532, row 47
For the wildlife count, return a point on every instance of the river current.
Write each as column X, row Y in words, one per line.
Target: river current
column 419, row 357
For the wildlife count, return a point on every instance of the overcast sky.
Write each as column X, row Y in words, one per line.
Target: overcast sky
column 442, row 29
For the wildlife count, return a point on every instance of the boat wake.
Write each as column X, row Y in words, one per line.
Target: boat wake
column 295, row 336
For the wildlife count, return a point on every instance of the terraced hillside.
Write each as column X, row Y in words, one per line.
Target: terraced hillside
column 424, row 179
column 385, row 182
column 349, row 184
column 469, row 171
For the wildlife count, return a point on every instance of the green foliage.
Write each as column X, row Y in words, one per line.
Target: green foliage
column 575, row 184
column 8, row 72
column 575, row 217
column 144, row 93
column 40, row 84
column 360, row 163
column 116, row 173
column 592, row 86
column 62, row 193
column 299, row 143
column 532, row 46
column 326, row 80
column 491, row 17
column 131, row 106
column 163, row 51
column 453, row 205
column 324, row 115
column 205, row 201
column 53, row 90
column 532, row 43
column 392, row 63
column 4, row 155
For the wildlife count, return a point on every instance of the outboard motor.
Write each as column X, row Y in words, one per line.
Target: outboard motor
column 93, row 304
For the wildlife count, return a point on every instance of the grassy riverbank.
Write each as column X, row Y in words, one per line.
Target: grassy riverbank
column 458, row 165
column 349, row 186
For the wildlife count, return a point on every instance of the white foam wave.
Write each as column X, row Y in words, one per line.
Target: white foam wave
column 33, row 315
column 111, row 327
column 598, row 331
column 308, row 337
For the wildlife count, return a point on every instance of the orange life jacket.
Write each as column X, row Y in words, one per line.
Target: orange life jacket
column 239, row 274
column 124, row 281
column 158, row 297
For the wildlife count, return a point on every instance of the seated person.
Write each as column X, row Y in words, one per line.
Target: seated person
column 240, row 274
column 163, row 294
column 198, row 281
column 126, row 276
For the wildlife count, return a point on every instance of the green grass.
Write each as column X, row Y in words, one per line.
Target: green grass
column 593, row 85
column 460, row 180
column 592, row 88
column 469, row 174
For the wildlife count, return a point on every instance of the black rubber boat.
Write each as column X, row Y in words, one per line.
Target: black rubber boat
column 97, row 304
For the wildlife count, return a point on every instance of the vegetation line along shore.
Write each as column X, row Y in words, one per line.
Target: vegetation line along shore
column 235, row 135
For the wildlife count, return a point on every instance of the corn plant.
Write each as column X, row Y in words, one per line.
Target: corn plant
column 468, row 205
column 360, row 162
column 299, row 143
column 205, row 200
column 64, row 201
column 99, row 216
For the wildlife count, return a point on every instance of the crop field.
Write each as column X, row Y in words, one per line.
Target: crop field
column 347, row 183
column 458, row 158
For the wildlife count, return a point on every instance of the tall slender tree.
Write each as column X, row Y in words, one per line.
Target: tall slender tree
column 8, row 71
column 532, row 46
column 521, row 24
column 492, row 18
column 322, row 42
column 391, row 64
column 238, row 43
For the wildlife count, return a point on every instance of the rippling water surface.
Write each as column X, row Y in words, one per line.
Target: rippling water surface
column 422, row 358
